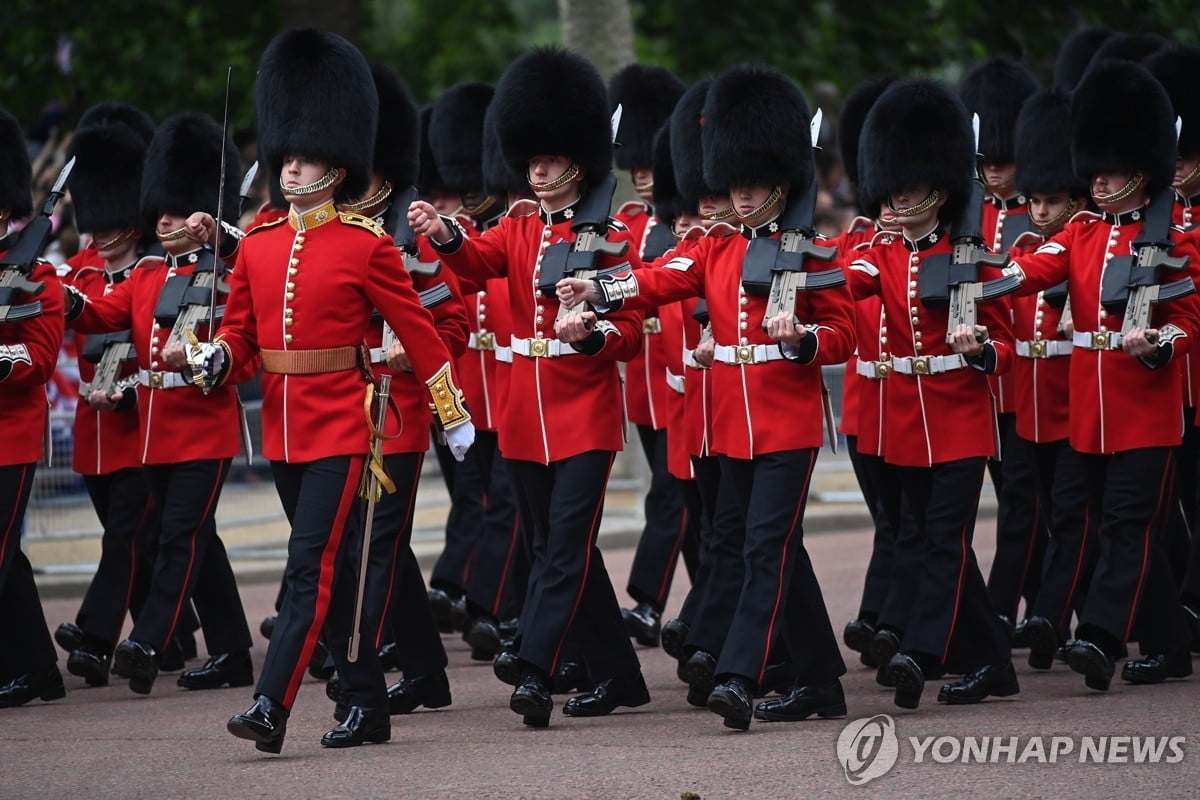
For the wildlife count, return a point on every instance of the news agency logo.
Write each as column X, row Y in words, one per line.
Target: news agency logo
column 867, row 748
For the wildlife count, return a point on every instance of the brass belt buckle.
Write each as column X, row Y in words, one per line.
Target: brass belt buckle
column 651, row 325
column 1100, row 340
column 539, row 348
column 156, row 380
column 485, row 341
column 920, row 365
column 1037, row 349
column 882, row 368
column 744, row 355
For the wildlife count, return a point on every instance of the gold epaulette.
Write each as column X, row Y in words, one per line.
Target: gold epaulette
column 262, row 226
column 360, row 221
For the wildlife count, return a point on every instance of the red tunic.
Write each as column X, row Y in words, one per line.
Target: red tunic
column 930, row 418
column 748, row 397
column 994, row 216
column 1186, row 214
column 179, row 423
column 29, row 351
column 561, row 406
column 1112, row 393
column 680, row 332
column 105, row 441
column 311, row 283
column 645, row 387
column 867, row 315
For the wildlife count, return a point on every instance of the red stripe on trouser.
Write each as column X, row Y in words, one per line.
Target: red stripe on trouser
column 184, row 594
column 1064, row 616
column 14, row 519
column 1146, row 545
column 783, row 566
column 962, row 573
column 325, row 578
column 665, row 586
column 385, row 612
column 587, row 568
column 513, row 542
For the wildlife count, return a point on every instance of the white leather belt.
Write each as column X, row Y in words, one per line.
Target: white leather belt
column 1098, row 340
column 747, row 353
column 482, row 341
column 1044, row 349
column 928, row 365
column 378, row 355
column 675, row 381
column 503, row 354
column 875, row 370
column 542, row 348
column 162, row 380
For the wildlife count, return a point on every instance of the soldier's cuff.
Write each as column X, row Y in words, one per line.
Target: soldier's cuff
column 1165, row 351
column 985, row 361
column 457, row 236
column 128, row 400
column 447, row 399
column 596, row 340
column 613, row 289
column 805, row 352
column 75, row 302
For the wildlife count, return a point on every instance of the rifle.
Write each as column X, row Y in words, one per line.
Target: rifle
column 18, row 262
column 953, row 282
column 775, row 267
column 1133, row 284
column 578, row 259
column 109, row 352
column 187, row 300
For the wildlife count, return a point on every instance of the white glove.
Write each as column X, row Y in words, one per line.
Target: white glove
column 205, row 363
column 459, row 439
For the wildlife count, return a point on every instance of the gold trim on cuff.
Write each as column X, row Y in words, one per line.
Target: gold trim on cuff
column 447, row 398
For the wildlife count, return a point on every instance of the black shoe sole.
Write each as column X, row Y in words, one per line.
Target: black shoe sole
column 1008, row 690
column 374, row 737
column 440, row 701
column 672, row 640
column 68, row 636
column 235, row 682
column 508, row 672
column 908, row 688
column 141, row 681
column 697, row 676
column 733, row 715
column 882, row 650
column 263, row 743
column 1042, row 644
column 1094, row 676
column 857, row 639
column 832, row 711
column 93, row 677
column 532, row 713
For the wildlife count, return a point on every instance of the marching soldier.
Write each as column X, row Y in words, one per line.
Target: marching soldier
column 28, row 356
column 1042, row 377
column 646, row 96
column 916, row 155
column 763, row 364
column 563, row 421
column 1119, row 370
column 185, row 472
column 396, row 600
column 995, row 90
column 301, row 298
column 110, row 144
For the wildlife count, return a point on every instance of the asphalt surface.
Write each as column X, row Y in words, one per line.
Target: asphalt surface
column 108, row 742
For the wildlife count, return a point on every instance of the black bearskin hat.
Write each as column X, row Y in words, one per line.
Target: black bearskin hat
column 755, row 130
column 1122, row 121
column 315, row 97
column 1043, row 146
column 687, row 151
column 1135, row 47
column 917, row 134
column 667, row 202
column 646, row 94
column 552, row 101
column 850, row 124
column 110, row 147
column 456, row 135
column 995, row 90
column 1075, row 55
column 497, row 179
column 428, row 179
column 183, row 169
column 398, row 137
column 16, row 173
column 1177, row 70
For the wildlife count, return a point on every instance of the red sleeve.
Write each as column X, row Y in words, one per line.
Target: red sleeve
column 671, row 279
column 109, row 312
column 450, row 316
column 480, row 257
column 1048, row 265
column 862, row 271
column 239, row 330
column 996, row 316
column 40, row 337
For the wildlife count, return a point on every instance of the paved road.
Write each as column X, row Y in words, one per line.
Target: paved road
column 109, row 743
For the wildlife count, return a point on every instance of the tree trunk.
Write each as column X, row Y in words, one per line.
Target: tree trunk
column 600, row 30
